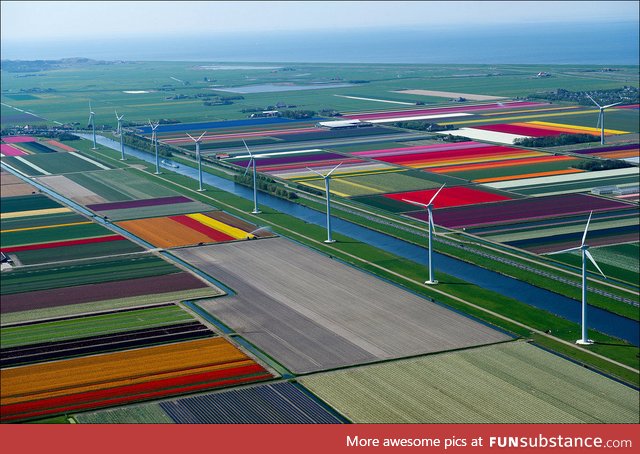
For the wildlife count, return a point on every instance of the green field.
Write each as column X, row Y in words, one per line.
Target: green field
column 85, row 326
column 620, row 260
column 55, row 163
column 105, row 270
column 39, row 221
column 120, row 184
column 79, row 251
column 506, row 383
column 53, row 233
column 28, row 203
column 104, row 86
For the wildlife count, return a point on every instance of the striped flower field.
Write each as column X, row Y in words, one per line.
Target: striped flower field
column 184, row 230
column 123, row 377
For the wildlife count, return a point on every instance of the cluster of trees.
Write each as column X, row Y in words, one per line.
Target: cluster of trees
column 556, row 141
column 265, row 184
column 298, row 114
column 144, row 144
column 452, row 138
column 626, row 94
column 607, row 164
column 422, row 126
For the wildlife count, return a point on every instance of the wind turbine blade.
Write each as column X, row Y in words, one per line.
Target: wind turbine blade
column 584, row 236
column 599, row 119
column 247, row 169
column 201, row 135
column 436, row 194
column 316, row 172
column 415, row 203
column 594, row 101
column 116, row 114
column 588, row 254
column 247, row 147
column 611, row 105
column 190, row 137
column 334, row 169
column 564, row 250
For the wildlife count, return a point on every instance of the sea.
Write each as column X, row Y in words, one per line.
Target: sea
column 610, row 43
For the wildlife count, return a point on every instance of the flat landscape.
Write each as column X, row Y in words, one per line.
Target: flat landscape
column 129, row 295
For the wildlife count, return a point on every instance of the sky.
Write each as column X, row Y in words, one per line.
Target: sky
column 51, row 20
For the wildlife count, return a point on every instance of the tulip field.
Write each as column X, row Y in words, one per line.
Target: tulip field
column 116, row 378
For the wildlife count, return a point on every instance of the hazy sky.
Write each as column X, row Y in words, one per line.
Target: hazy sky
column 36, row 21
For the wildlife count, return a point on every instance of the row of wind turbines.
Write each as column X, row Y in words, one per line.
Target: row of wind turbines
column 584, row 248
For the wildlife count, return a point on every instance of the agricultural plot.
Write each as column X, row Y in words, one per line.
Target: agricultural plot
column 11, row 150
column 76, row 336
column 123, row 377
column 54, row 163
column 544, row 129
column 612, row 152
column 98, row 281
column 619, row 260
column 448, row 197
column 450, row 154
column 567, row 183
column 441, row 110
column 278, row 403
column 71, row 190
column 119, row 185
column 511, row 169
column 291, row 303
column 49, row 235
column 186, row 230
column 18, row 206
column 18, row 139
column 506, row 383
column 520, row 210
column 376, row 183
column 34, row 147
column 135, row 209
column 12, row 186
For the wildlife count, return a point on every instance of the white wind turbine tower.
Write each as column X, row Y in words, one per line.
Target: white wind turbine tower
column 584, row 340
column 93, row 125
column 154, row 139
column 601, row 117
column 198, row 156
column 252, row 160
column 326, row 178
column 429, row 207
column 119, row 118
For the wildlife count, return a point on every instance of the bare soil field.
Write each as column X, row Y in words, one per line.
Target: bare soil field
column 312, row 313
column 71, row 189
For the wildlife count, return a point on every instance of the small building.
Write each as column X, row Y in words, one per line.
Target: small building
column 265, row 114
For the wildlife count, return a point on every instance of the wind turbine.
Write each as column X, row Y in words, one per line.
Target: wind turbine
column 326, row 178
column 93, row 125
column 119, row 118
column 154, row 139
column 601, row 117
column 252, row 160
column 429, row 207
column 585, row 254
column 197, row 141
